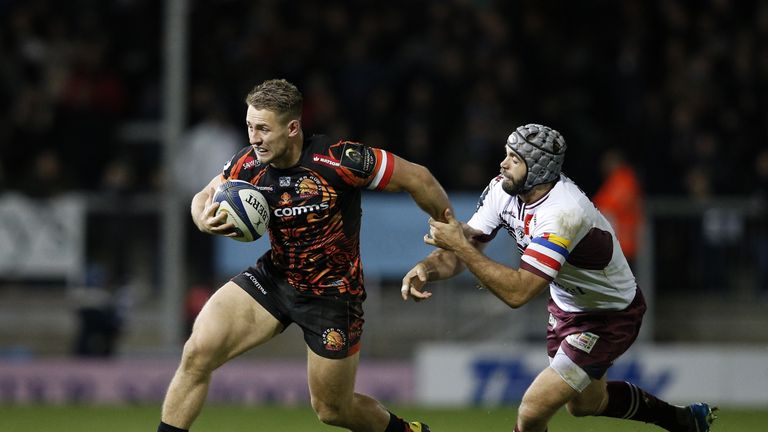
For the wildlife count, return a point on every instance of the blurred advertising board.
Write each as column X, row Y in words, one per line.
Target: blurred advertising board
column 498, row 374
column 68, row 381
column 41, row 238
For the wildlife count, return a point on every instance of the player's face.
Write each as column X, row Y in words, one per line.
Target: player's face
column 269, row 136
column 514, row 170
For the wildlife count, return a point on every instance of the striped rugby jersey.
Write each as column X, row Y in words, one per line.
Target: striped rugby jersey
column 564, row 239
column 314, row 225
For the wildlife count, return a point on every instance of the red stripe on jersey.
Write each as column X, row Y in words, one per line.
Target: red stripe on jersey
column 525, row 266
column 388, row 170
column 379, row 160
column 546, row 260
column 238, row 166
column 347, row 176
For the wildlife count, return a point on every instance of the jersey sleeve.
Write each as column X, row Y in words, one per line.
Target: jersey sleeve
column 487, row 216
column 554, row 234
column 240, row 165
column 363, row 166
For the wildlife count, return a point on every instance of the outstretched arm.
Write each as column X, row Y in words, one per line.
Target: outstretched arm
column 427, row 192
column 438, row 265
column 513, row 287
column 421, row 185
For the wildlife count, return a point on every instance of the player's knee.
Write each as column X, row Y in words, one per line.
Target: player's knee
column 328, row 412
column 529, row 418
column 582, row 409
column 198, row 356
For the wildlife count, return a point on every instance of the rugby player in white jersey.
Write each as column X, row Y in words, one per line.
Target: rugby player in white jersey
column 595, row 306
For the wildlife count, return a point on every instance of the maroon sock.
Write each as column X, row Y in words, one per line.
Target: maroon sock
column 163, row 427
column 518, row 430
column 627, row 401
column 396, row 424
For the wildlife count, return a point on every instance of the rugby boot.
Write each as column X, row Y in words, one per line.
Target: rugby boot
column 418, row 427
column 702, row 416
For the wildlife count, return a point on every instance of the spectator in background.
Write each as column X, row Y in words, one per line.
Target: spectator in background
column 761, row 195
column 211, row 140
column 761, row 175
column 91, row 101
column 96, row 70
column 47, row 177
column 620, row 200
column 717, row 236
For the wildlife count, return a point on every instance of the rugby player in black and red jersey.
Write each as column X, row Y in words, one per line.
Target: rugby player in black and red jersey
column 312, row 275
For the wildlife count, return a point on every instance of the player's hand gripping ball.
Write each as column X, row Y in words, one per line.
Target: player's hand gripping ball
column 246, row 209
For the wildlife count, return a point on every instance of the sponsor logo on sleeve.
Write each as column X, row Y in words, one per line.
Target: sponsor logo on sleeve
column 358, row 158
column 250, row 163
column 326, row 160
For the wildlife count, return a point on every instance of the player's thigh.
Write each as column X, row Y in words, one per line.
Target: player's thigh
column 230, row 323
column 331, row 381
column 547, row 394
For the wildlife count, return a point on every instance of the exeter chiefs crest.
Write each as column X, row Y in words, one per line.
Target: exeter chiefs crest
column 308, row 186
column 334, row 339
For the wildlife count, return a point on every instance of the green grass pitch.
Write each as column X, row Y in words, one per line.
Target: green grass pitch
column 302, row 419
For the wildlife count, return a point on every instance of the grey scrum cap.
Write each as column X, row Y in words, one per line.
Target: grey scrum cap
column 543, row 150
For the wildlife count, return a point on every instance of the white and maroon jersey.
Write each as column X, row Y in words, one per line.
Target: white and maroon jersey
column 563, row 238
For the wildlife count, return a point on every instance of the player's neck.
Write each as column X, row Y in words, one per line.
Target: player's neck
column 536, row 192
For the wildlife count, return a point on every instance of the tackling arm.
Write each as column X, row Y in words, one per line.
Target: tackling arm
column 438, row 265
column 513, row 287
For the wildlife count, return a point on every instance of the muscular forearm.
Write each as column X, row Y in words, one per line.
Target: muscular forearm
column 431, row 197
column 441, row 264
column 504, row 282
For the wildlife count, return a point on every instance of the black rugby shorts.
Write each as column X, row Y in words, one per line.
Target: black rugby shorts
column 332, row 325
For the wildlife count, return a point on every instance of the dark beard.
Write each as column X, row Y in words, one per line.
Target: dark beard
column 512, row 187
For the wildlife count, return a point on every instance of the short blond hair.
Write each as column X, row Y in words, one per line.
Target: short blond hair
column 278, row 96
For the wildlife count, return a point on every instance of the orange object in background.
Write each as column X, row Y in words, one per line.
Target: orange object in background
column 620, row 199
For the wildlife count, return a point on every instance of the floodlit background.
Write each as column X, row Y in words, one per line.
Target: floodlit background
column 114, row 113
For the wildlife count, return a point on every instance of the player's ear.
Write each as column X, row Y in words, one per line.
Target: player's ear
column 294, row 127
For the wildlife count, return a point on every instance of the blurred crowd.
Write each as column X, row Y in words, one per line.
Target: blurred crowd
column 679, row 87
column 656, row 97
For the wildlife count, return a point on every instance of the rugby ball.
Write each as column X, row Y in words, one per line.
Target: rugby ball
column 246, row 209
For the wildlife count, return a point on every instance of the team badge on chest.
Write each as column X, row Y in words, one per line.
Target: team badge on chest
column 308, row 186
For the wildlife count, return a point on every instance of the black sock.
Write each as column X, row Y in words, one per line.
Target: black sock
column 627, row 401
column 396, row 424
column 163, row 427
